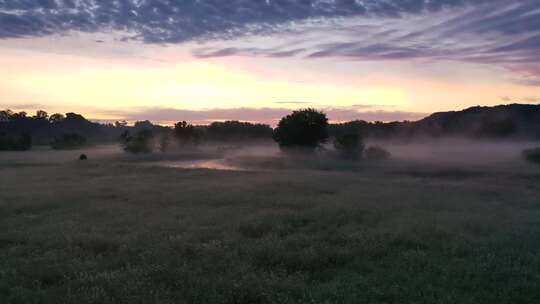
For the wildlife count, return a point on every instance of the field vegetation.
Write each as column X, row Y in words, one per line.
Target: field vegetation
column 121, row 228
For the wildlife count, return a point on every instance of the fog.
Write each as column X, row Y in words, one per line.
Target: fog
column 457, row 151
column 267, row 155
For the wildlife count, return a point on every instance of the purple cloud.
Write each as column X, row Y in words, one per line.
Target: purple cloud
column 264, row 115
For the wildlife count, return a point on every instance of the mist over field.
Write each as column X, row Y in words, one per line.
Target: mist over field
column 269, row 152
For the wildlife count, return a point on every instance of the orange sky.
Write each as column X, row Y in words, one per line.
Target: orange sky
column 100, row 80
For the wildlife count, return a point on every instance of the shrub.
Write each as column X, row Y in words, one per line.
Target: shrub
column 376, row 153
column 349, row 146
column 304, row 129
column 69, row 141
column 532, row 155
column 17, row 142
column 187, row 134
column 164, row 142
column 142, row 142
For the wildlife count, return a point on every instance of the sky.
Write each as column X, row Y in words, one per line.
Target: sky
column 256, row 60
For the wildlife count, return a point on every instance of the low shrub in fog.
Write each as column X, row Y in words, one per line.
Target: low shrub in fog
column 68, row 141
column 376, row 153
column 532, row 155
column 350, row 146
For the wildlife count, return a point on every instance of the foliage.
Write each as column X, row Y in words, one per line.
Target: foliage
column 186, row 134
column 306, row 128
column 350, row 146
column 15, row 142
column 376, row 153
column 46, row 129
column 498, row 128
column 69, row 141
column 532, row 155
column 237, row 131
column 141, row 142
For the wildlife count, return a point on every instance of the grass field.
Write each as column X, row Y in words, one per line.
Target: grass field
column 111, row 230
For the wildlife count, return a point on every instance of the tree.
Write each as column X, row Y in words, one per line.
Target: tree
column 186, row 133
column 5, row 115
column 40, row 114
column 68, row 141
column 141, row 142
column 19, row 116
column 15, row 142
column 238, row 131
column 306, row 128
column 56, row 118
column 350, row 145
column 120, row 124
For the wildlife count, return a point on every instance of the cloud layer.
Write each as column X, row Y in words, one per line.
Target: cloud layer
column 503, row 33
column 495, row 32
column 264, row 115
column 183, row 20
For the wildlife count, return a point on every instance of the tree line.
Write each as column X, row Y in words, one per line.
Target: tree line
column 306, row 128
column 20, row 131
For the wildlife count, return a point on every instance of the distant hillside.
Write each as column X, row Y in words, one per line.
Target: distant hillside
column 515, row 120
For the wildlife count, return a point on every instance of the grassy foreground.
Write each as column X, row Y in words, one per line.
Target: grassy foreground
column 117, row 232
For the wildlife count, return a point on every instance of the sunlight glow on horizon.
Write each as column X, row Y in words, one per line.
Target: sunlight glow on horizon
column 103, row 81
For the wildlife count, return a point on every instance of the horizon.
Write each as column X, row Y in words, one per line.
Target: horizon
column 254, row 61
column 229, row 115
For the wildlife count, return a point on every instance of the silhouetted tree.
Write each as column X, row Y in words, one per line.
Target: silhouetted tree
column 5, row 115
column 56, row 118
column 306, row 128
column 186, row 134
column 120, row 124
column 350, row 146
column 238, row 131
column 15, row 142
column 40, row 114
column 141, row 142
column 68, row 141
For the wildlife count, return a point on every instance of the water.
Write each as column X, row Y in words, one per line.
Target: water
column 213, row 164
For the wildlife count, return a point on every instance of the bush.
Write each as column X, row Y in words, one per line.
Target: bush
column 187, row 134
column 376, row 153
column 10, row 142
column 69, row 141
column 532, row 155
column 349, row 146
column 142, row 142
column 303, row 129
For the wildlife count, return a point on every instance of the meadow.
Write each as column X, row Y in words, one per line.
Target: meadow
column 118, row 229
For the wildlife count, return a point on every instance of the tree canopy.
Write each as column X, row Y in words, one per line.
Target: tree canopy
column 307, row 128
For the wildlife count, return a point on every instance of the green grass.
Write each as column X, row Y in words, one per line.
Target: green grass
column 109, row 231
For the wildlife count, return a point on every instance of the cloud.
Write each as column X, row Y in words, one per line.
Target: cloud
column 529, row 99
column 158, row 21
column 498, row 32
column 501, row 33
column 265, row 115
